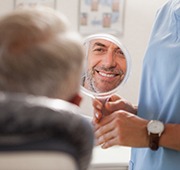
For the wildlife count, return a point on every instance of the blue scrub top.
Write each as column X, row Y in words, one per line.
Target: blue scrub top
column 160, row 86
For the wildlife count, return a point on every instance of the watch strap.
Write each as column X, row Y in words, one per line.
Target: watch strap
column 154, row 141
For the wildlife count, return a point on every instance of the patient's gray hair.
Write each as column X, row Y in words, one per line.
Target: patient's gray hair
column 39, row 54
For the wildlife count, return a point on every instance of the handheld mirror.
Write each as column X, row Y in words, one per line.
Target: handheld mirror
column 106, row 66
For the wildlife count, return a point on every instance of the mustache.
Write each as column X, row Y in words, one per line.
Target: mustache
column 108, row 69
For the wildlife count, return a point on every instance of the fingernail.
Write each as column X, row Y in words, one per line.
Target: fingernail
column 98, row 107
column 97, row 115
column 104, row 146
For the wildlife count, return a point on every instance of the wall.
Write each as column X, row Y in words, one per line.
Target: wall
column 139, row 16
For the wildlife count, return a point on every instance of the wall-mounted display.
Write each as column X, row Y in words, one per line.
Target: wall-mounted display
column 101, row 16
column 22, row 3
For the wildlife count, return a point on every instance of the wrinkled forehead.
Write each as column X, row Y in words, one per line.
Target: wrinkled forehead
column 102, row 43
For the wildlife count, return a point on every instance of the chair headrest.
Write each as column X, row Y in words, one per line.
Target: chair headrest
column 41, row 123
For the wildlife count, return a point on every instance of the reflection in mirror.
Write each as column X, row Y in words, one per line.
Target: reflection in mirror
column 107, row 65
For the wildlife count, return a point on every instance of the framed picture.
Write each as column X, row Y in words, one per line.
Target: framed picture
column 101, row 16
column 48, row 3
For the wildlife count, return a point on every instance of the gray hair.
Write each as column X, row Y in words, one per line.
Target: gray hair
column 39, row 54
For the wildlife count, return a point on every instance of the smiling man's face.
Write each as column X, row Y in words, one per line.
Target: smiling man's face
column 106, row 66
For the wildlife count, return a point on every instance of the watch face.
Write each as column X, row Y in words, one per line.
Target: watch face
column 155, row 127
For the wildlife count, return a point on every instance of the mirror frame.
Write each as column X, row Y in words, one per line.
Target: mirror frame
column 116, row 41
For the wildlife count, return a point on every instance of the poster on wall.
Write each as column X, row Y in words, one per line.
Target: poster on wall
column 32, row 3
column 101, row 16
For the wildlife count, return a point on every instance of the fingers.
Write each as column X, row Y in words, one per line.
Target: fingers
column 97, row 117
column 110, row 143
column 107, row 140
column 97, row 104
column 114, row 98
column 119, row 104
column 106, row 134
column 104, row 138
column 97, row 110
column 102, row 129
column 112, row 106
column 106, row 131
column 100, row 108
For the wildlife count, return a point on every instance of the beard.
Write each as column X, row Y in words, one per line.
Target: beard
column 96, row 86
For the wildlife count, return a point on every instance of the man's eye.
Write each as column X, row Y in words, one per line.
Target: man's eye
column 99, row 50
column 119, row 52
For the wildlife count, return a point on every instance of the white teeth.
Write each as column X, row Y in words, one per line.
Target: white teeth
column 106, row 75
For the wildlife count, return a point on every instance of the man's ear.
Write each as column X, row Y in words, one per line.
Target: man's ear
column 76, row 100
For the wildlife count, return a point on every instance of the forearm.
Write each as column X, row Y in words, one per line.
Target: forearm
column 171, row 137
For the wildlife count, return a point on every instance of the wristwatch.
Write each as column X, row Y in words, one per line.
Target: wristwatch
column 155, row 128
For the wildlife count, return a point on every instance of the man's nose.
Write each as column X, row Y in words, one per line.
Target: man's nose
column 109, row 59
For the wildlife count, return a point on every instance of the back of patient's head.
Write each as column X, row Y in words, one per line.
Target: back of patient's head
column 39, row 54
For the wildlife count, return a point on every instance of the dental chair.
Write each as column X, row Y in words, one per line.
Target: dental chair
column 38, row 133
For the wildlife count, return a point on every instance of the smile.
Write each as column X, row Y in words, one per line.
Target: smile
column 109, row 75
